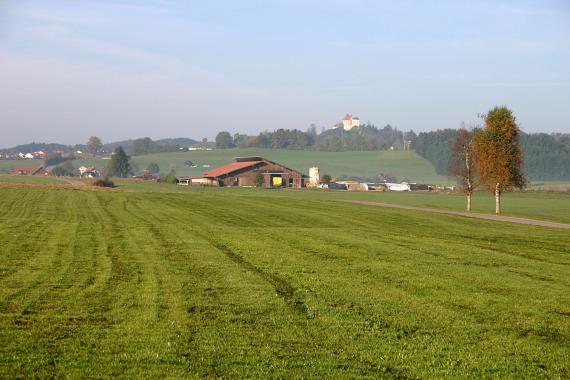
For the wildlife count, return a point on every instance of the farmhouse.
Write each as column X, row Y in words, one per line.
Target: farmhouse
column 246, row 171
column 88, row 172
column 29, row 170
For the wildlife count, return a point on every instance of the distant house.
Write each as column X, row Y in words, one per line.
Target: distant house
column 88, row 172
column 245, row 172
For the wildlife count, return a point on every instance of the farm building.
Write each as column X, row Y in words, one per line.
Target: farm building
column 29, row 170
column 246, row 171
column 201, row 181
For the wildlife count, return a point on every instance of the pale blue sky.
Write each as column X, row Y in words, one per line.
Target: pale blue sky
column 160, row 68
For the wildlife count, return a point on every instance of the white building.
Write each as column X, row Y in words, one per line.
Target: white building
column 350, row 122
column 398, row 186
column 314, row 177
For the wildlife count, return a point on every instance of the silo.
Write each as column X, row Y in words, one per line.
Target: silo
column 314, row 177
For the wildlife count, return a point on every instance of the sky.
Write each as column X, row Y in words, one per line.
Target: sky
column 159, row 68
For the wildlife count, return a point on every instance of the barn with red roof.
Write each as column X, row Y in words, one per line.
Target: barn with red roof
column 249, row 171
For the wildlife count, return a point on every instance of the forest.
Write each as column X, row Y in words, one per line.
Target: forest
column 366, row 137
column 546, row 156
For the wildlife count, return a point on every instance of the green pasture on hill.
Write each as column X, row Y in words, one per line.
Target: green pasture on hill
column 271, row 284
column 367, row 164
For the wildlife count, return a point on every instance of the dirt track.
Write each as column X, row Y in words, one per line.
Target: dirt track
column 501, row 218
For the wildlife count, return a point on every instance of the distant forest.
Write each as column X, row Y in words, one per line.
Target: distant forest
column 366, row 137
column 546, row 157
column 135, row 147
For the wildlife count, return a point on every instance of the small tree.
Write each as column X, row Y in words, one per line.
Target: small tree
column 259, row 180
column 53, row 159
column 224, row 140
column 326, row 179
column 171, row 179
column 142, row 146
column 59, row 171
column 94, row 145
column 153, row 168
column 498, row 155
column 119, row 165
column 462, row 163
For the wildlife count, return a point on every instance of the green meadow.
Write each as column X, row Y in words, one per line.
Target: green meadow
column 545, row 205
column 246, row 283
column 365, row 164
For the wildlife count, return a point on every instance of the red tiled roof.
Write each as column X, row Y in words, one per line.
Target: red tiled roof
column 348, row 117
column 27, row 168
column 229, row 168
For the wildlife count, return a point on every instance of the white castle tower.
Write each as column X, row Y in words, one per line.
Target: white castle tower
column 350, row 122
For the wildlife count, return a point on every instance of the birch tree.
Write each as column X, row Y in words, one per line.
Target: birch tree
column 462, row 163
column 498, row 155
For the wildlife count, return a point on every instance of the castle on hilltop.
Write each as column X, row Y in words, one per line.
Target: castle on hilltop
column 350, row 122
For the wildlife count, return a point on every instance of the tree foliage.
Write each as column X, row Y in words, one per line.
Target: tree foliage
column 58, row 172
column 170, row 179
column 546, row 156
column 153, row 168
column 224, row 140
column 498, row 155
column 53, row 159
column 119, row 165
column 142, row 146
column 462, row 163
column 94, row 145
column 436, row 148
column 366, row 137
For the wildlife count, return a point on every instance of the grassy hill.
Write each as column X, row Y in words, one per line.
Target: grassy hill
column 366, row 164
column 236, row 284
column 338, row 164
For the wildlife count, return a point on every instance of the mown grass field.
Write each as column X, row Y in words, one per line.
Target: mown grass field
column 366, row 164
column 270, row 284
column 553, row 206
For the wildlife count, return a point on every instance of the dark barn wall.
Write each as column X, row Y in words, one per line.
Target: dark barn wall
column 246, row 177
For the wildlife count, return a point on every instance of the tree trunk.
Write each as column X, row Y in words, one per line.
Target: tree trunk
column 497, row 199
column 469, row 202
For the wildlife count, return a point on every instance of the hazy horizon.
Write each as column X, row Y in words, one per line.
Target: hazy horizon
column 127, row 69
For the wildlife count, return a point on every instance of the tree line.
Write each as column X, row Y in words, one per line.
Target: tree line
column 546, row 156
column 366, row 137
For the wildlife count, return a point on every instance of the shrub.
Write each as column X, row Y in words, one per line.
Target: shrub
column 59, row 172
column 104, row 183
column 171, row 179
